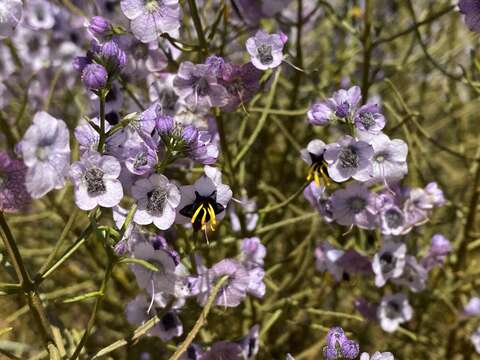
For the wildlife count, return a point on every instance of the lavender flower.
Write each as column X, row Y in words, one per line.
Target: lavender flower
column 347, row 158
column 341, row 105
column 10, row 15
column 98, row 26
column 389, row 262
column 472, row 308
column 414, row 275
column 171, row 278
column 471, row 10
column 354, row 205
column 13, row 193
column 205, row 201
column 157, row 199
column 198, row 86
column 266, row 51
column 392, row 220
column 393, row 311
column 139, row 310
column 253, row 252
column 95, row 178
column 94, row 76
column 233, row 291
column 475, row 339
column 420, row 202
column 151, row 18
column 241, row 83
column 369, row 119
column 389, row 160
column 339, row 346
column 439, row 249
column 319, row 200
column 326, row 260
column 377, row 356
column 46, row 153
column 250, row 343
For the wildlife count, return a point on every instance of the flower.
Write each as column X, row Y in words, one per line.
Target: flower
column 199, row 145
column 341, row 105
column 439, row 249
column 471, row 10
column 139, row 311
column 313, row 156
column 389, row 262
column 392, row 220
column 204, row 202
column 369, row 119
column 393, row 311
column 113, row 56
column 198, row 86
column 347, row 157
column 151, row 18
column 250, row 343
column 94, row 76
column 414, row 275
column 241, row 83
column 10, row 15
column 171, row 278
column 354, row 205
column 234, row 289
column 266, row 51
column 326, row 258
column 475, row 339
column 45, row 149
column 13, row 193
column 472, row 308
column 157, row 199
column 319, row 200
column 339, row 346
column 95, row 178
column 253, row 252
column 420, row 202
column 98, row 26
column 377, row 356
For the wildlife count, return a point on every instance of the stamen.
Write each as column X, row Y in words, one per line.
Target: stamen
column 194, row 217
column 213, row 218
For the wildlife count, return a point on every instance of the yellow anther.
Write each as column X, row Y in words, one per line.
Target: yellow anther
column 204, row 216
column 211, row 211
column 317, row 179
column 195, row 215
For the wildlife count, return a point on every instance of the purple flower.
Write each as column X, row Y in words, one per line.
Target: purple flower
column 140, row 155
column 420, row 202
column 94, row 76
column 98, row 26
column 389, row 262
column 250, row 343
column 389, row 160
column 472, row 308
column 216, row 65
column 199, row 145
column 354, row 205
column 414, row 275
column 439, row 249
column 341, row 106
column 113, row 56
column 253, row 252
column 171, row 278
column 369, row 119
column 326, row 260
column 339, row 346
column 471, row 10
column 204, row 202
column 95, row 178
column 13, row 193
column 266, row 51
column 138, row 311
column 377, row 356
column 45, row 149
column 241, row 82
column 235, row 288
column 157, row 199
column 393, row 311
column 392, row 220
column 347, row 157
column 151, row 18
column 319, row 200
column 198, row 86
column 10, row 15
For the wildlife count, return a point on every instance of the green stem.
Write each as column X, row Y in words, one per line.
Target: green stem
column 198, row 27
column 103, row 137
column 367, row 49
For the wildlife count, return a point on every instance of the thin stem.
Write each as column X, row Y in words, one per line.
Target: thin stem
column 103, row 137
column 198, row 26
column 200, row 321
column 367, row 49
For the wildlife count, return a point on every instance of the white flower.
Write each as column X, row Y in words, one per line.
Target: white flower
column 377, row 356
column 393, row 311
column 10, row 15
column 389, row 262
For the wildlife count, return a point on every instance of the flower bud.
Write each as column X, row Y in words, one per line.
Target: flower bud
column 94, row 76
column 164, row 124
column 98, row 26
column 114, row 57
column 80, row 62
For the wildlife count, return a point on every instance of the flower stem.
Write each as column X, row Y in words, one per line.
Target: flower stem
column 103, row 135
column 198, row 27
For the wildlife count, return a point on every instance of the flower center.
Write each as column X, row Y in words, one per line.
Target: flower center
column 392, row 310
column 357, row 204
column 367, row 119
column 203, row 210
column 393, row 218
column 264, row 52
column 156, row 200
column 381, row 157
column 349, row 157
column 3, row 178
column 168, row 321
column 94, row 179
column 343, row 110
column 41, row 153
column 140, row 160
column 387, row 262
column 202, row 86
